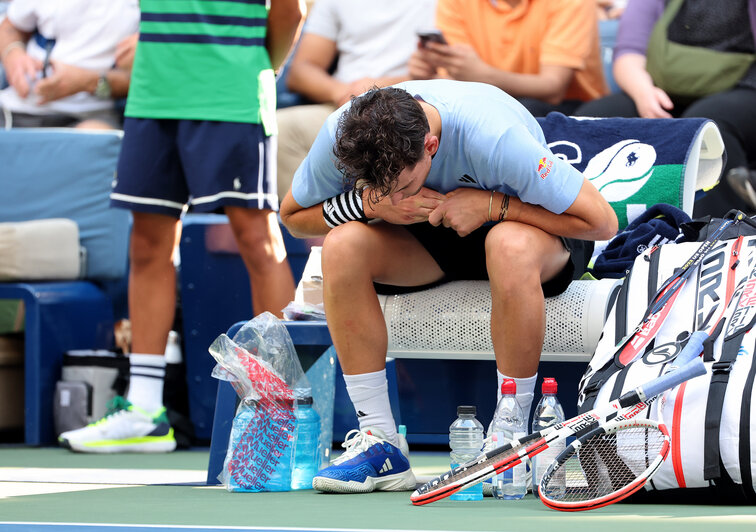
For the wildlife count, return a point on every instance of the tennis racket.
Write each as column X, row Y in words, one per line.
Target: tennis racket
column 510, row 454
column 606, row 465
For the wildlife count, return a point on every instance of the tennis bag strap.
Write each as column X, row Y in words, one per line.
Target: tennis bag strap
column 598, row 379
column 742, row 320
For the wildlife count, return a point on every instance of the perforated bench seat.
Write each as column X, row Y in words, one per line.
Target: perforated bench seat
column 453, row 321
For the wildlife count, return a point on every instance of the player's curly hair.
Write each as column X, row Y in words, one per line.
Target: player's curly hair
column 381, row 134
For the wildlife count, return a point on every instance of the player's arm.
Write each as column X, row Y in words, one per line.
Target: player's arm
column 302, row 222
column 317, row 220
column 590, row 217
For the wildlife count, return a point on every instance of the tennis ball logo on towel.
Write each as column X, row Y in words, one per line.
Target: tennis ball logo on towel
column 621, row 170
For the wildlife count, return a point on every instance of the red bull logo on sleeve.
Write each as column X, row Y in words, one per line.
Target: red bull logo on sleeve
column 544, row 167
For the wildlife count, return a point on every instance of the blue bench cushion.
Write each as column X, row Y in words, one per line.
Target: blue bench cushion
column 66, row 173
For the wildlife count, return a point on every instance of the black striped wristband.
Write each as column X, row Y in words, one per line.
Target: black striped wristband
column 346, row 207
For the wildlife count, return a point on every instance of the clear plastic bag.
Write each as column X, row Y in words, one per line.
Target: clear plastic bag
column 262, row 366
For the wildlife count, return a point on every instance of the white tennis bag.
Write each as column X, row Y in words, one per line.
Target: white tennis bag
column 710, row 418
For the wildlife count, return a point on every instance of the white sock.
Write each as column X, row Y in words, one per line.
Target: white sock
column 146, row 378
column 525, row 391
column 369, row 395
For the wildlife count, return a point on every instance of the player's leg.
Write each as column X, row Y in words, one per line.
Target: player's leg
column 355, row 256
column 261, row 246
column 520, row 258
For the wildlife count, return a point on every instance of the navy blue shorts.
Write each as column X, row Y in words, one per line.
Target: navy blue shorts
column 165, row 165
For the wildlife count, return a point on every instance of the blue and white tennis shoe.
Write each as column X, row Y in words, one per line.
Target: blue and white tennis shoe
column 369, row 463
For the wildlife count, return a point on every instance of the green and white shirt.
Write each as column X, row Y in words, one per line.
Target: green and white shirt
column 203, row 60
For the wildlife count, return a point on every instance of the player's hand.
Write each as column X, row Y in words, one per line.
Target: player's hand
column 64, row 81
column 410, row 210
column 464, row 210
column 21, row 70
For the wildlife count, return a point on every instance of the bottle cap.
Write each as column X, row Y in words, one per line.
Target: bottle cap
column 549, row 385
column 508, row 387
column 471, row 410
column 304, row 400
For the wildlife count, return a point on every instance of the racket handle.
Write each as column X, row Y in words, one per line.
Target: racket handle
column 692, row 369
column 692, row 349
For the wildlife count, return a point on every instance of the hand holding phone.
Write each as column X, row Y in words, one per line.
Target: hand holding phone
column 431, row 35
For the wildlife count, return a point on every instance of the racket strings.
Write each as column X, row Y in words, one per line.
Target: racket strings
column 604, row 464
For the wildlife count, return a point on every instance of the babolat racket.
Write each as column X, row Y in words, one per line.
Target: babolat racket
column 604, row 466
column 510, row 454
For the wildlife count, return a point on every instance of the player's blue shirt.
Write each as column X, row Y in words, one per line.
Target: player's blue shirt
column 488, row 141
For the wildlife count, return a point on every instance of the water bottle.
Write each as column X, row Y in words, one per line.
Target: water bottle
column 306, row 456
column 466, row 442
column 509, row 423
column 260, row 448
column 173, row 349
column 548, row 412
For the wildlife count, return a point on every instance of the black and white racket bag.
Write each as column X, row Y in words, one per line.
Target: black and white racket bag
column 710, row 418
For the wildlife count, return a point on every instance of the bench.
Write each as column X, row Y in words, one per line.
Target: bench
column 64, row 173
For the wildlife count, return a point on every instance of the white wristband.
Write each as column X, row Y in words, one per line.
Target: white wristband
column 346, row 207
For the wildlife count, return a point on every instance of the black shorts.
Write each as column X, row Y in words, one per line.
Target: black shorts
column 464, row 258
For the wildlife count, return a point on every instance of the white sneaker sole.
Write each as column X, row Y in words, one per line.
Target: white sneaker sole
column 145, row 447
column 400, row 482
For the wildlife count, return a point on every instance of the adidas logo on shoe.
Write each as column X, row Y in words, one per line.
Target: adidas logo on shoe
column 369, row 463
column 386, row 467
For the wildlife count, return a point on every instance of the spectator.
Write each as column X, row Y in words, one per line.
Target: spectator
column 684, row 59
column 199, row 129
column 372, row 41
column 545, row 53
column 60, row 62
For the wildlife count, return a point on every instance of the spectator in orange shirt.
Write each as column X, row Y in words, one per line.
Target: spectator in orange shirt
column 545, row 53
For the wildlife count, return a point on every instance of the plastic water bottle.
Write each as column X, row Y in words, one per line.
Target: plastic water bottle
column 173, row 349
column 306, row 455
column 548, row 412
column 509, row 423
column 466, row 442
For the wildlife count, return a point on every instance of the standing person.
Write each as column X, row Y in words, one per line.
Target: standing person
column 199, row 130
column 545, row 53
column 465, row 187
column 371, row 43
column 681, row 58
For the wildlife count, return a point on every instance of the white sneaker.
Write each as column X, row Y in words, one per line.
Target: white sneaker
column 125, row 428
column 369, row 463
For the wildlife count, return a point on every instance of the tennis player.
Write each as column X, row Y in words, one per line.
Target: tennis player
column 420, row 184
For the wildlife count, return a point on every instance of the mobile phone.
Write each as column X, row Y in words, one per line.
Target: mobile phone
column 431, row 36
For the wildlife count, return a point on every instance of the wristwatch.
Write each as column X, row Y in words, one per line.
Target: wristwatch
column 103, row 90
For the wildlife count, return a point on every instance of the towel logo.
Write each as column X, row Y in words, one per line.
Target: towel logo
column 621, row 170
column 544, row 167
